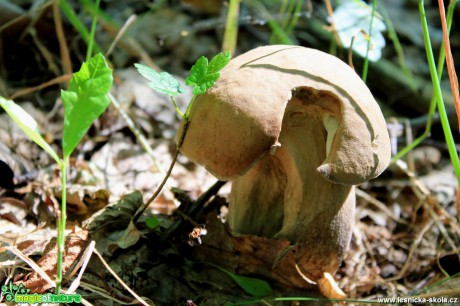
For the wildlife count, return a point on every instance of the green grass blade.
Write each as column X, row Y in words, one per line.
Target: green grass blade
column 437, row 89
column 76, row 23
column 28, row 125
column 89, row 52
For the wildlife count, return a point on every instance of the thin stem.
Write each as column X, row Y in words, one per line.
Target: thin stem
column 176, row 107
column 294, row 17
column 231, row 27
column 76, row 22
column 437, row 88
column 89, row 52
column 366, row 59
column 189, row 107
column 143, row 207
column 62, row 224
column 137, row 133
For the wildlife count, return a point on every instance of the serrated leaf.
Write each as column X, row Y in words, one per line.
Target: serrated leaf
column 161, row 82
column 253, row 286
column 85, row 100
column 28, row 125
column 218, row 62
column 198, row 72
column 203, row 75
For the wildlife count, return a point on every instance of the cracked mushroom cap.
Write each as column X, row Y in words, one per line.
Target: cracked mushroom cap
column 239, row 119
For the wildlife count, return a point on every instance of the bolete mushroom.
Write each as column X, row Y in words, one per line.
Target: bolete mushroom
column 294, row 129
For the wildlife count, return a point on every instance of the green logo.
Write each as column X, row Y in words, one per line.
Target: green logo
column 20, row 294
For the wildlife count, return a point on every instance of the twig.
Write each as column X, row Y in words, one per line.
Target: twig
column 57, row 80
column 65, row 57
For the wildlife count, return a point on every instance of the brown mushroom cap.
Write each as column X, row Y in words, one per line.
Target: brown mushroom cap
column 239, row 119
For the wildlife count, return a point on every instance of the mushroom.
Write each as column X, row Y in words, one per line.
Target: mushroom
column 294, row 129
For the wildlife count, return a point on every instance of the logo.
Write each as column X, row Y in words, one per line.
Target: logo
column 20, row 294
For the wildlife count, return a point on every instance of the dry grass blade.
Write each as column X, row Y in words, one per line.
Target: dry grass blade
column 360, row 193
column 120, row 33
column 82, row 263
column 65, row 56
column 106, row 265
column 102, row 293
column 449, row 59
column 32, row 264
column 412, row 250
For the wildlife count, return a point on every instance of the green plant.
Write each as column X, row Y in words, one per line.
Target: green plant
column 432, row 109
column 231, row 27
column 203, row 75
column 437, row 99
column 84, row 102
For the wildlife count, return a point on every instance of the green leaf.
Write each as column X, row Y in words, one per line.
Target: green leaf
column 28, row 125
column 152, row 222
column 85, row 100
column 162, row 82
column 203, row 74
column 253, row 286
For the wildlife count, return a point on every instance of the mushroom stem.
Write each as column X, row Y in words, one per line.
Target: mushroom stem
column 284, row 197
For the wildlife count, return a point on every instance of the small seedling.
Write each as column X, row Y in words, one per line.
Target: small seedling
column 203, row 75
column 84, row 102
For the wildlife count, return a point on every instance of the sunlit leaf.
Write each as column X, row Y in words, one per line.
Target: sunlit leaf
column 28, row 125
column 85, row 100
column 162, row 82
column 203, row 75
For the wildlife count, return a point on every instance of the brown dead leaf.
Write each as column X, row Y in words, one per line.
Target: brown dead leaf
column 84, row 201
column 75, row 244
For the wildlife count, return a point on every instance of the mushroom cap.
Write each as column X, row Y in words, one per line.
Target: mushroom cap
column 239, row 119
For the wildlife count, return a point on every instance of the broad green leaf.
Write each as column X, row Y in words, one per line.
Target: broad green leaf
column 162, row 82
column 85, row 100
column 253, row 286
column 203, row 74
column 28, row 125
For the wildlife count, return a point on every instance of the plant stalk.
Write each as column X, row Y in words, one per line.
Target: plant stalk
column 366, row 59
column 231, row 27
column 89, row 52
column 62, row 223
